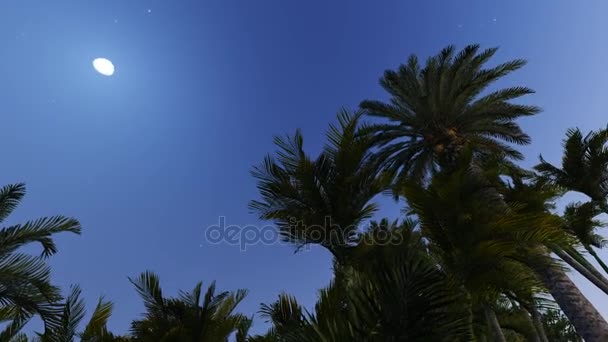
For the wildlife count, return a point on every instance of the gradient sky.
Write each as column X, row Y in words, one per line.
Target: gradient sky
column 148, row 158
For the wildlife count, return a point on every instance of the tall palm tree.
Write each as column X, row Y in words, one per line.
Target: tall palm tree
column 436, row 111
column 584, row 169
column 322, row 200
column 25, row 287
column 193, row 316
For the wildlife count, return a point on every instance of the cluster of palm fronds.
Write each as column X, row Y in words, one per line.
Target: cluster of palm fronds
column 489, row 232
column 481, row 253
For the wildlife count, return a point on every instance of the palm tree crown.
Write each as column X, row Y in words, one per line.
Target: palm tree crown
column 436, row 110
column 320, row 200
column 584, row 165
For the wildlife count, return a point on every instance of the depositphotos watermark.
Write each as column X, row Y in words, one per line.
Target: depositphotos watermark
column 249, row 235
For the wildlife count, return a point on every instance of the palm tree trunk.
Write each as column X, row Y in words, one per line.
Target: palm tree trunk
column 587, row 321
column 492, row 321
column 597, row 258
column 586, row 264
column 538, row 324
column 582, row 270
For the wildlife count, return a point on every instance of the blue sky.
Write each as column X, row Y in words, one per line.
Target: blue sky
column 148, row 158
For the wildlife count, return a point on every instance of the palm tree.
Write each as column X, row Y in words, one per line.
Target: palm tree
column 25, row 288
column 584, row 169
column 584, row 165
column 485, row 247
column 322, row 200
column 73, row 312
column 436, row 111
column 193, row 316
column 538, row 195
column 438, row 115
column 581, row 222
column 390, row 293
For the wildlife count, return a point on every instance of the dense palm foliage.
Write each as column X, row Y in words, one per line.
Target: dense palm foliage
column 485, row 246
column 388, row 293
column 480, row 254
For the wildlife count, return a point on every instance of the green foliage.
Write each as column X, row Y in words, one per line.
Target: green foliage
column 558, row 328
column 390, row 293
column 462, row 265
column 193, row 316
column 322, row 200
column 584, row 165
column 72, row 314
column 436, row 111
column 25, row 287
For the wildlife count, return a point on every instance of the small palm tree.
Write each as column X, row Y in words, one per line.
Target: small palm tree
column 25, row 288
column 73, row 312
column 437, row 110
column 322, row 200
column 193, row 316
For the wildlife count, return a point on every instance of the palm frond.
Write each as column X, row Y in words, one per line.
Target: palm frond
column 10, row 197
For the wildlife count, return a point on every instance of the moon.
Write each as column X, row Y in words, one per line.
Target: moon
column 103, row 66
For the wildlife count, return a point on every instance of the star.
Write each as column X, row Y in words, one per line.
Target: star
column 115, row 21
column 494, row 20
column 149, row 10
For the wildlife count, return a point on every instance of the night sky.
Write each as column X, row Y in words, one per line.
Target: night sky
column 148, row 158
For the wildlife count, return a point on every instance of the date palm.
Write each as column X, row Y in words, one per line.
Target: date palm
column 438, row 109
column 25, row 287
column 321, row 200
column 193, row 316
